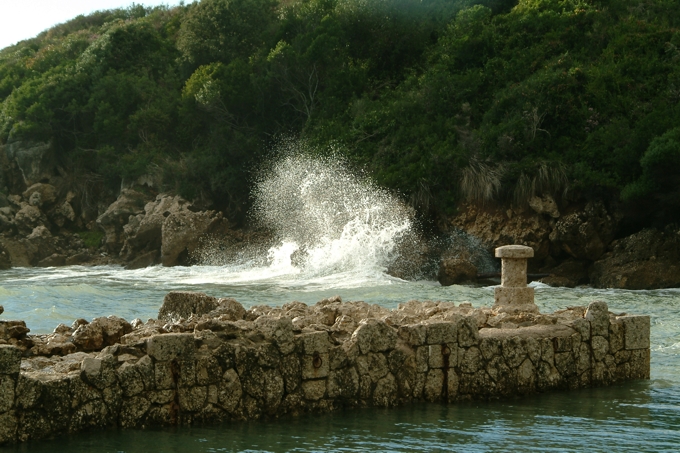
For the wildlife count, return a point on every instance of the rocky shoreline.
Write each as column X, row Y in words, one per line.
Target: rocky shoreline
column 207, row 360
column 52, row 218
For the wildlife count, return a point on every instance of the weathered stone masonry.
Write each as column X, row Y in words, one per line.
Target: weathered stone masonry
column 219, row 362
column 232, row 372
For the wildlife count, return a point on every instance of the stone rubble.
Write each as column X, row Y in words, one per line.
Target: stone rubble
column 229, row 363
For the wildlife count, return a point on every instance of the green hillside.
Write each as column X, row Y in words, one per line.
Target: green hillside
column 440, row 100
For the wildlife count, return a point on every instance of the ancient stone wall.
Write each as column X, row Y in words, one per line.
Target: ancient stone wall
column 273, row 365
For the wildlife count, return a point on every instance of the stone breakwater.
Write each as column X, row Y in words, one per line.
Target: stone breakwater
column 211, row 360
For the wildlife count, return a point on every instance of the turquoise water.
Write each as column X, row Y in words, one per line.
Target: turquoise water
column 637, row 416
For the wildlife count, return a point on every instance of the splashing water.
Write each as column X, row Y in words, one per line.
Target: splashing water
column 329, row 226
column 327, row 219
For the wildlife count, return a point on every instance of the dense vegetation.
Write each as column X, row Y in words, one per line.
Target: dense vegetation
column 441, row 100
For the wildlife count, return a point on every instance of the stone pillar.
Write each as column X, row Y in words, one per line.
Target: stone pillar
column 513, row 295
column 10, row 364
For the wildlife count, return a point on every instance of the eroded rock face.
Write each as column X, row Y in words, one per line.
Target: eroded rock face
column 182, row 232
column 28, row 218
column 496, row 227
column 46, row 194
column 144, row 231
column 585, row 234
column 648, row 259
column 129, row 203
column 36, row 161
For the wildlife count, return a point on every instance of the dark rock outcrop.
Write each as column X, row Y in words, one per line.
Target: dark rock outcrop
column 585, row 234
column 648, row 259
column 117, row 215
column 454, row 271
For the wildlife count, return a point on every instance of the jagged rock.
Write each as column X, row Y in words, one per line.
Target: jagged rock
column 496, row 227
column 648, row 259
column 104, row 331
column 19, row 255
column 61, row 213
column 545, row 205
column 35, row 160
column 13, row 329
column 228, row 308
column 46, row 194
column 585, row 234
column 144, row 231
column 129, row 203
column 182, row 304
column 6, row 223
column 40, row 243
column 28, row 218
column 455, row 271
column 182, row 232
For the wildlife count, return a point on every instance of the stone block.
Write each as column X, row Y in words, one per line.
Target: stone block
column 435, row 358
column 471, row 360
column 509, row 299
column 99, row 372
column 373, row 365
column 639, row 364
column 598, row 316
column 490, row 347
column 314, row 390
column 7, row 384
column 441, row 333
column 315, row 342
column 600, row 347
column 413, row 334
column 373, row 335
column 615, row 336
column 193, row 399
column 343, row 383
column 582, row 326
column 164, row 376
column 280, row 331
column 385, row 392
column 636, row 331
column 10, row 359
column 315, row 366
column 170, row 346
column 8, row 427
column 434, row 384
column 468, row 332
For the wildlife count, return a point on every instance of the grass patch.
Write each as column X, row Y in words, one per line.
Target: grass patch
column 92, row 239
